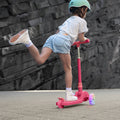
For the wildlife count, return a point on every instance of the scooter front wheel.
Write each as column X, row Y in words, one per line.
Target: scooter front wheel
column 92, row 99
column 85, row 96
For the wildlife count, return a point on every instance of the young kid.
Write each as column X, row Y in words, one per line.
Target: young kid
column 72, row 29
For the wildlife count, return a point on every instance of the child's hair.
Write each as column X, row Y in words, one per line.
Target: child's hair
column 80, row 11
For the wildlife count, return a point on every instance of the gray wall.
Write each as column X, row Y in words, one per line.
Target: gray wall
column 103, row 62
column 100, row 58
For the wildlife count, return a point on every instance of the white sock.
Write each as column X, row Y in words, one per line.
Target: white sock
column 69, row 89
column 29, row 44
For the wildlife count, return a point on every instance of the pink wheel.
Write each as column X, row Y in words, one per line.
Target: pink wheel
column 92, row 99
column 59, row 103
column 85, row 96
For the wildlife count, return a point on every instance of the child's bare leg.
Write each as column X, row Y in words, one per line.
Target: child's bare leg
column 24, row 38
column 66, row 61
column 40, row 58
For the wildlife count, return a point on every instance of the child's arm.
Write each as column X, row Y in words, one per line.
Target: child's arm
column 81, row 37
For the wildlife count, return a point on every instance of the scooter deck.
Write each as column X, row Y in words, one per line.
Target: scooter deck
column 68, row 103
column 63, row 102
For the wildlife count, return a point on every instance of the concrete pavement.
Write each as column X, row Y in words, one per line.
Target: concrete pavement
column 40, row 105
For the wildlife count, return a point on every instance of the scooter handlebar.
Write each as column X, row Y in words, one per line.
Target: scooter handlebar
column 77, row 43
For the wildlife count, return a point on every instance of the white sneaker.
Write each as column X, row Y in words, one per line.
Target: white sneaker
column 70, row 96
column 21, row 37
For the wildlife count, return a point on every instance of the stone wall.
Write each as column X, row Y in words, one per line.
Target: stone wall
column 100, row 58
column 101, row 69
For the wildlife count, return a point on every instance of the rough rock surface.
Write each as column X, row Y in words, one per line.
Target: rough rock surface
column 100, row 58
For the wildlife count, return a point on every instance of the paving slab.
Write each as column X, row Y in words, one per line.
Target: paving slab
column 41, row 105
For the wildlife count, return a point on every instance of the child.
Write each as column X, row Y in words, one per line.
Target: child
column 73, row 28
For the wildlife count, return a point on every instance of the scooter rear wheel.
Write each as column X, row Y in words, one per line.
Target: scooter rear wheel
column 59, row 103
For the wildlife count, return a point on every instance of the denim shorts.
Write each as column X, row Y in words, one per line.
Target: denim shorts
column 59, row 43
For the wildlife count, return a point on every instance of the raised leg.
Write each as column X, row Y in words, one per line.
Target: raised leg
column 40, row 58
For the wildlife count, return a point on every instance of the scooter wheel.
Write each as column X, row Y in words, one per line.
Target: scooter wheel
column 59, row 103
column 85, row 96
column 92, row 99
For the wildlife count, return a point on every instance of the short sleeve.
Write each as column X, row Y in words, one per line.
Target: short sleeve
column 83, row 26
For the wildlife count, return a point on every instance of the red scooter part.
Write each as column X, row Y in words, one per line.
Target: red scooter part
column 81, row 95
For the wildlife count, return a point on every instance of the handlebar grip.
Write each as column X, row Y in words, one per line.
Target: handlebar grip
column 77, row 43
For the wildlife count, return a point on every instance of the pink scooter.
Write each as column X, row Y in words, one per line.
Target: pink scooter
column 81, row 95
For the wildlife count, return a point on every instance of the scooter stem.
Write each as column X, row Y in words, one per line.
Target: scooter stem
column 79, row 71
column 77, row 43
